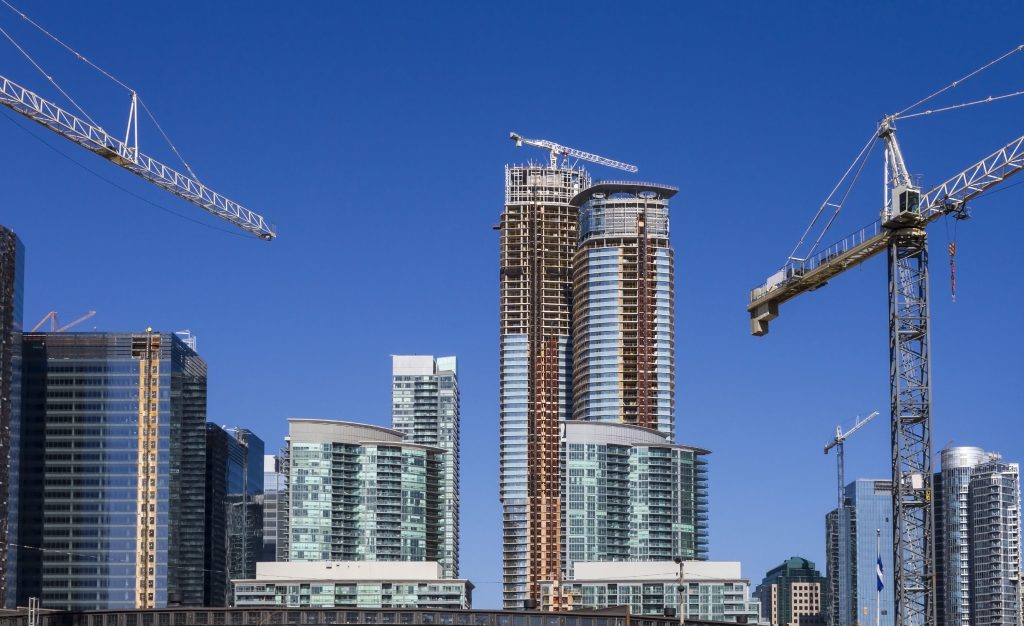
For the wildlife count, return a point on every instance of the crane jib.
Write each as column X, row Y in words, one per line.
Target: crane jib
column 800, row 276
column 95, row 139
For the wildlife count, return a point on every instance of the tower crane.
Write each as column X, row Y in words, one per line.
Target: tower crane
column 95, row 139
column 55, row 326
column 901, row 233
column 557, row 151
column 842, row 552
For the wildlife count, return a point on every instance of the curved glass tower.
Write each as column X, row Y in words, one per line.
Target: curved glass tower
column 632, row 495
column 623, row 307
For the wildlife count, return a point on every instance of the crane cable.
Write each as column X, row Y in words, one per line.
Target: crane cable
column 952, row 85
column 47, row 76
column 99, row 69
column 861, row 158
column 962, row 105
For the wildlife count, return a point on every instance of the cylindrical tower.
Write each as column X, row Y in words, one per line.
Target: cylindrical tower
column 623, row 307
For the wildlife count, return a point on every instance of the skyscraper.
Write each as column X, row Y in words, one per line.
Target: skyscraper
column 234, row 510
column 538, row 242
column 977, row 521
column 360, row 493
column 274, row 513
column 995, row 544
column 425, row 408
column 868, row 515
column 112, row 471
column 623, row 307
column 12, row 268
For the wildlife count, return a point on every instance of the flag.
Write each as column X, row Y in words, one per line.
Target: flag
column 880, row 575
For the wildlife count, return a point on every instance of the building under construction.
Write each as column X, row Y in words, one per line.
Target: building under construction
column 538, row 241
column 623, row 307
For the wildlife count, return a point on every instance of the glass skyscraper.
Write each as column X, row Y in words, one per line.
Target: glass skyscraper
column 234, row 509
column 538, row 241
column 623, row 307
column 12, row 269
column 112, row 471
column 868, row 518
column 360, row 493
column 274, row 514
column 977, row 521
column 632, row 495
column 425, row 408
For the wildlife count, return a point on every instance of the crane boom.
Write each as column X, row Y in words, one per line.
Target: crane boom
column 557, row 150
column 798, row 277
column 841, row 436
column 97, row 140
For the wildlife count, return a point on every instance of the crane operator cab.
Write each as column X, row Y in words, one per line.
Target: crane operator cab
column 904, row 207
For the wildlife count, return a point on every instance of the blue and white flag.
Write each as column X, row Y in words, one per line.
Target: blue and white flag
column 880, row 575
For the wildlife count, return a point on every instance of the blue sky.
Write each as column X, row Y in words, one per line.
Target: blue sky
column 374, row 136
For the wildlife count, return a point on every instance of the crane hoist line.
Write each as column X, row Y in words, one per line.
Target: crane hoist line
column 95, row 139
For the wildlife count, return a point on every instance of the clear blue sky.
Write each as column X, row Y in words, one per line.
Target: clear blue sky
column 374, row 135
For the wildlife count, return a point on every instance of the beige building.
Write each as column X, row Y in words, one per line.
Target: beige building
column 791, row 594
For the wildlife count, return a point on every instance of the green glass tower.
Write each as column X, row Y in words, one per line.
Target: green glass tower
column 632, row 495
column 357, row 492
column 425, row 408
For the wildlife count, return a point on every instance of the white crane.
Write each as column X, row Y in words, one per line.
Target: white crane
column 900, row 232
column 837, row 443
column 842, row 551
column 95, row 139
column 557, row 151
column 55, row 326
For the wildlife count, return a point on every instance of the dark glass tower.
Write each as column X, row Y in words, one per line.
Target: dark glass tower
column 112, row 471
column 12, row 267
column 234, row 510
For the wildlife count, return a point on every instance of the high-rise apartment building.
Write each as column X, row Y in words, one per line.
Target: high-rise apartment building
column 112, row 471
column 632, row 495
column 995, row 544
column 12, row 268
column 977, row 522
column 623, row 307
column 274, row 515
column 425, row 408
column 538, row 241
column 360, row 493
column 792, row 594
column 867, row 535
column 234, row 510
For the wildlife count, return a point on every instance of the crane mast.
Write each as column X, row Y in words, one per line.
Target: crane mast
column 557, row 151
column 901, row 233
column 95, row 139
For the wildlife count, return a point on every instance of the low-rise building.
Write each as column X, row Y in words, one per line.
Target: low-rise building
column 791, row 594
column 353, row 584
column 715, row 590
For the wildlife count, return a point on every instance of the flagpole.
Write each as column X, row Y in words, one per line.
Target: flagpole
column 878, row 587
